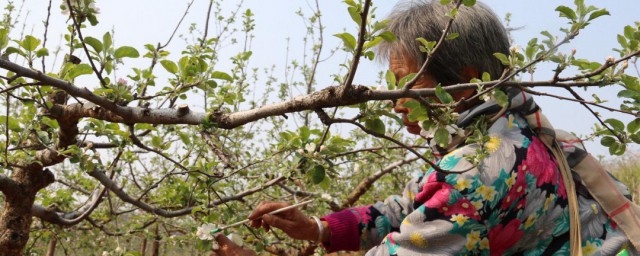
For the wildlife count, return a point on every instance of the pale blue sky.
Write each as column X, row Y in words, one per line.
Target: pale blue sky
column 140, row 22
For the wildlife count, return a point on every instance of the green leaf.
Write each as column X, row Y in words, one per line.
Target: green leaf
column 486, row 77
column 628, row 32
column 14, row 125
column 388, row 36
column 376, row 40
column 78, row 70
column 221, row 75
column 390, row 77
column 566, row 12
column 598, row 13
column 126, row 51
column 418, row 111
column 469, row 2
column 615, row 123
column 305, row 132
column 348, row 40
column 30, row 43
column 501, row 98
column 503, row 58
column 443, row 2
column 427, row 44
column 375, row 125
column 443, row 95
column 106, row 40
column 317, row 174
column 51, row 123
column 355, row 14
column 185, row 138
column 452, row 36
column 94, row 43
column 4, row 38
column 157, row 141
column 633, row 126
column 42, row 52
column 607, row 141
column 369, row 55
column 617, row 148
column 11, row 50
column 406, row 79
column 170, row 66
column 442, row 137
column 92, row 19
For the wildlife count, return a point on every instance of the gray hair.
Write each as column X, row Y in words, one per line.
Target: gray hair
column 481, row 35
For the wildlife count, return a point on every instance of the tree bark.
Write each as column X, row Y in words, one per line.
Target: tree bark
column 155, row 246
column 15, row 221
column 143, row 249
column 51, row 250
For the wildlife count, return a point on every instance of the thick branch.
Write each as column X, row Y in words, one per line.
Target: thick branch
column 8, row 186
column 71, row 218
column 330, row 97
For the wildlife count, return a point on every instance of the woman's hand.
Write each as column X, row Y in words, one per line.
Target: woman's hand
column 226, row 247
column 292, row 222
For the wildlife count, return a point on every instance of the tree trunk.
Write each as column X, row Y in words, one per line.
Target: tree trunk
column 15, row 221
column 51, row 250
column 144, row 247
column 155, row 246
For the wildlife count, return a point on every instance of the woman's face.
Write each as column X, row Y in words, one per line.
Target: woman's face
column 401, row 66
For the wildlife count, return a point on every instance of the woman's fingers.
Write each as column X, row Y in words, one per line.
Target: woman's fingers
column 266, row 207
column 278, row 222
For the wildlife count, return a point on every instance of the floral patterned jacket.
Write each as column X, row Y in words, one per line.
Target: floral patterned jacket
column 513, row 202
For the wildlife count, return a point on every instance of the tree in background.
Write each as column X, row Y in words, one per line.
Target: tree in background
column 115, row 157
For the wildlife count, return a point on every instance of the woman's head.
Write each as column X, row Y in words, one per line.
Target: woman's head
column 481, row 34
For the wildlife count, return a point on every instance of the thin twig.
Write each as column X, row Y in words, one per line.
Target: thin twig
column 138, row 143
column 177, row 26
column 46, row 30
column 19, row 86
column 206, row 24
column 578, row 101
column 578, row 97
column 367, row 182
column 84, row 45
column 327, row 120
column 358, row 52
column 602, row 68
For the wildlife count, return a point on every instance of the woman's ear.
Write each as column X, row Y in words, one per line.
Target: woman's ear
column 468, row 73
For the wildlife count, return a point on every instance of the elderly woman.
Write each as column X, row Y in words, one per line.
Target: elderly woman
column 513, row 202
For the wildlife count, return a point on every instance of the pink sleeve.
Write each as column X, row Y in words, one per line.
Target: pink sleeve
column 345, row 235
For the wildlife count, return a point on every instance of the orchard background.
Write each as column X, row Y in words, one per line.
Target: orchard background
column 127, row 125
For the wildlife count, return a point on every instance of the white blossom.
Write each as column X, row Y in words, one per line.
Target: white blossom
column 310, row 147
column 326, row 196
column 204, row 231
